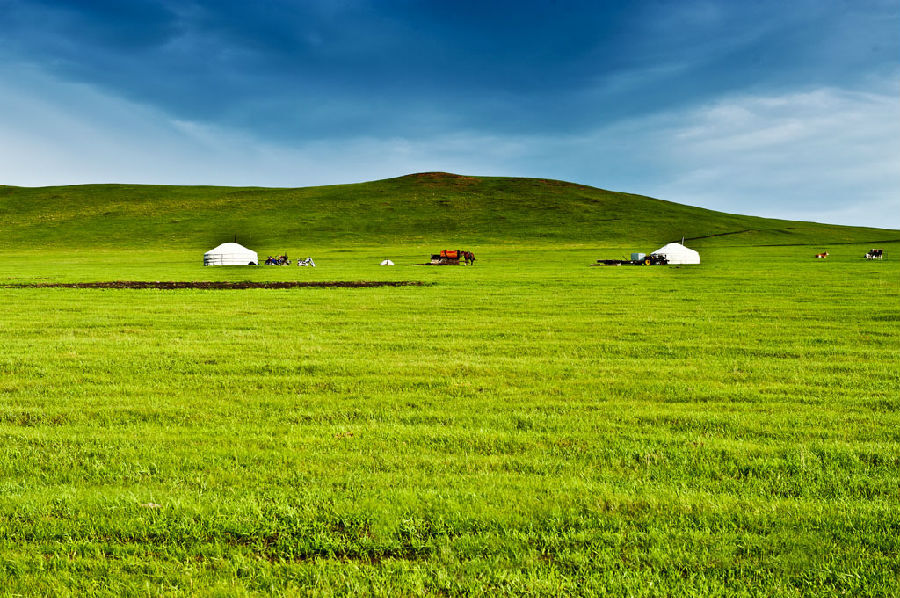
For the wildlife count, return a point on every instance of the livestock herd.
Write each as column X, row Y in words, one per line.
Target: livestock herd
column 872, row 254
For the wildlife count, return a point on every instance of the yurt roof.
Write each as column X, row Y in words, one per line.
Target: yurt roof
column 230, row 248
column 674, row 248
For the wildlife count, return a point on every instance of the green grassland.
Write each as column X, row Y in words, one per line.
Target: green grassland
column 531, row 425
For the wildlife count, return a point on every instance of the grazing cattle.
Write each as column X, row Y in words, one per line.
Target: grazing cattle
column 875, row 254
column 822, row 255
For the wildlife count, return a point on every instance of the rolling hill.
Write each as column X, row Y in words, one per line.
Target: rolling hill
column 419, row 208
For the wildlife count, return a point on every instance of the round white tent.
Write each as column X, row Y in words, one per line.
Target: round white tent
column 387, row 263
column 678, row 254
column 230, row 254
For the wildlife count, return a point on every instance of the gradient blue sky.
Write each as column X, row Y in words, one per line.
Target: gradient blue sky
column 785, row 109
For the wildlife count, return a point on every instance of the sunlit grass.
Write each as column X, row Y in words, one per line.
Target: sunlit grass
column 530, row 424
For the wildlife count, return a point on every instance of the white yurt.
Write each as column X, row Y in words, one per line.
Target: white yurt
column 387, row 263
column 230, row 254
column 678, row 254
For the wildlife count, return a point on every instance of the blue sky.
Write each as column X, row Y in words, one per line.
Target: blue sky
column 783, row 109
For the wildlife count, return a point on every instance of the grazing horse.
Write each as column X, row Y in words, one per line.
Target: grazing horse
column 822, row 255
column 452, row 257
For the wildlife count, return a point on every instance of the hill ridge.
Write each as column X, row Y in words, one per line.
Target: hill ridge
column 432, row 207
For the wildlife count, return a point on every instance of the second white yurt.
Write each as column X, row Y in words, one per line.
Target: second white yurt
column 678, row 254
column 230, row 254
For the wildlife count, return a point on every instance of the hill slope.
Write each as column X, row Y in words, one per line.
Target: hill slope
column 421, row 208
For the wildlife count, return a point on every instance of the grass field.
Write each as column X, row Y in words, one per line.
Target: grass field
column 527, row 425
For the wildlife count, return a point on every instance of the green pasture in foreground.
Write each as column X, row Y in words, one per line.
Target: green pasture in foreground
column 530, row 425
column 527, row 425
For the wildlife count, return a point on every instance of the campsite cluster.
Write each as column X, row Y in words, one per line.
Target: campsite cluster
column 669, row 254
column 234, row 254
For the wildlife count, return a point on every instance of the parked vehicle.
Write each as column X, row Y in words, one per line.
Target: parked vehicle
column 647, row 260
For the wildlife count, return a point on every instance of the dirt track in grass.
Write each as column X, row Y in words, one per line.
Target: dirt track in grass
column 216, row 284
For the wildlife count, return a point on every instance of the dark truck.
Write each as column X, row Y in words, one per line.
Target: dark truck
column 644, row 260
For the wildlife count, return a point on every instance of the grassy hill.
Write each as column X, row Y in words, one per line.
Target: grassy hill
column 420, row 208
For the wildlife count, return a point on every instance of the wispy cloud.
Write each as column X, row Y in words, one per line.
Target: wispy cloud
column 826, row 154
column 70, row 133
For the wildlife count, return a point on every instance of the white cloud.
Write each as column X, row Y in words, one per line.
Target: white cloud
column 828, row 154
column 65, row 133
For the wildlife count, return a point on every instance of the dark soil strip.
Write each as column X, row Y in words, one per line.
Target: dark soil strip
column 142, row 284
